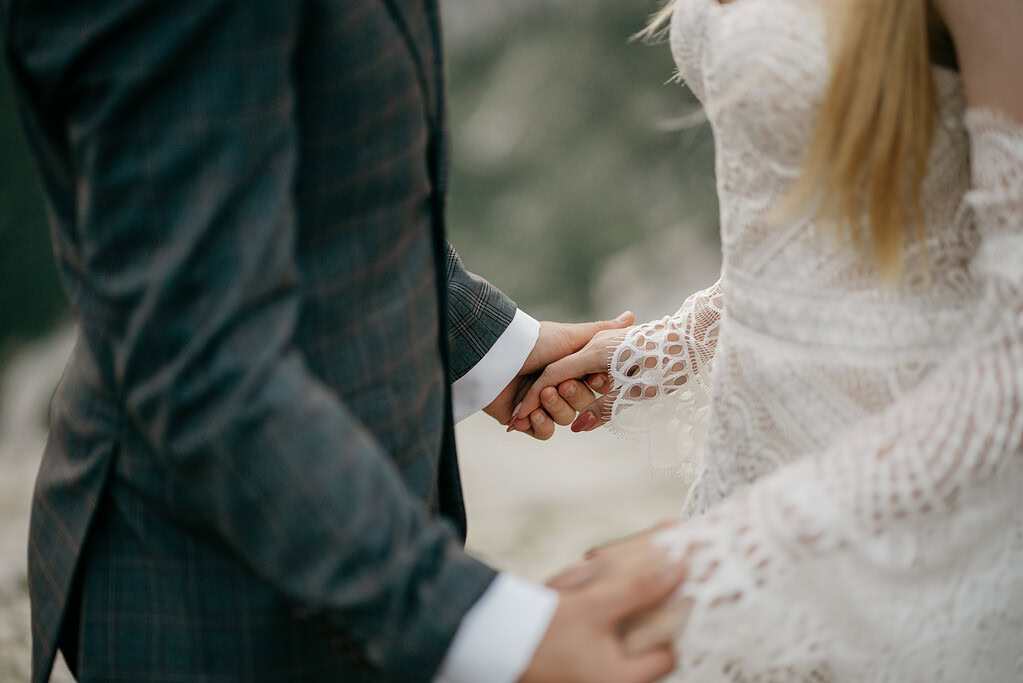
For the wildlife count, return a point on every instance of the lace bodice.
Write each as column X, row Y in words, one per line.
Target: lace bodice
column 856, row 511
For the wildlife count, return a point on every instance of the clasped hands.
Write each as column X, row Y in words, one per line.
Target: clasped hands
column 556, row 384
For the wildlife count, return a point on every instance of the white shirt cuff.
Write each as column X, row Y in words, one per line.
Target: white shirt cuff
column 488, row 378
column 499, row 635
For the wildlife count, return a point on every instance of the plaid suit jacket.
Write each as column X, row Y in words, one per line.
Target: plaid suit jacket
column 251, row 471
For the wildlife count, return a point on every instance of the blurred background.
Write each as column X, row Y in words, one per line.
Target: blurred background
column 574, row 190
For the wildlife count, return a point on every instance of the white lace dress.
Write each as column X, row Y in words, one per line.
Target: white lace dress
column 857, row 510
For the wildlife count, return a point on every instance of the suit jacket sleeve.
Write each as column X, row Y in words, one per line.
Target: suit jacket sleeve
column 478, row 314
column 180, row 121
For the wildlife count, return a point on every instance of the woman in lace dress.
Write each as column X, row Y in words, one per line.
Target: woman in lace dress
column 857, row 510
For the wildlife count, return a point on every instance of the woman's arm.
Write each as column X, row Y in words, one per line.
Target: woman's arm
column 988, row 36
column 644, row 362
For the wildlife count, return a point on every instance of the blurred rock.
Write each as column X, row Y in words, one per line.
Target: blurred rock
column 27, row 383
column 25, row 388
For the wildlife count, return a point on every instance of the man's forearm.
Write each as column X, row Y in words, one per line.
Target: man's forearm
column 478, row 315
column 492, row 373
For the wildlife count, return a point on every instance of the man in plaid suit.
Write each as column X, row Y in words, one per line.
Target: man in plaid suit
column 251, row 471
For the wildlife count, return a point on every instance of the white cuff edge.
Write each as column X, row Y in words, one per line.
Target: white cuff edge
column 481, row 385
column 500, row 634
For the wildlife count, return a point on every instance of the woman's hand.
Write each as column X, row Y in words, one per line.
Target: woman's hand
column 592, row 360
column 649, row 630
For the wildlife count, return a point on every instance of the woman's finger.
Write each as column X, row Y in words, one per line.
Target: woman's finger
column 595, row 415
column 633, row 544
column 574, row 577
column 521, row 425
column 576, row 365
column 658, row 626
column 652, row 665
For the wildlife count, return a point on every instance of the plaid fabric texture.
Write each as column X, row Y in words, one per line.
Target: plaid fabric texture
column 478, row 313
column 253, row 435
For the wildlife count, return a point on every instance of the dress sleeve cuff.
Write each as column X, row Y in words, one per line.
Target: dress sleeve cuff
column 481, row 385
column 499, row 635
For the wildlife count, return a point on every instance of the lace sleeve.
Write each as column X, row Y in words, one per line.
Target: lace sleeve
column 666, row 358
column 900, row 548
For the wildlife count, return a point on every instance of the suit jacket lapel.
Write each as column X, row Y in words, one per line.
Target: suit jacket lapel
column 417, row 21
column 440, row 101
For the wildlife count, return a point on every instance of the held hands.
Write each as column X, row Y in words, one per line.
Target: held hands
column 559, row 380
column 556, row 341
column 615, row 621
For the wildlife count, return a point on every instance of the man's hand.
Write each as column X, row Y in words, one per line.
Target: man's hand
column 588, row 640
column 556, row 341
column 593, row 357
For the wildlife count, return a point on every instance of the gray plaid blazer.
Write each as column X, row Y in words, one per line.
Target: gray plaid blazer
column 251, row 472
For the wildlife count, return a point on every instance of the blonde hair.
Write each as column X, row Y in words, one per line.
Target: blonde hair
column 868, row 157
column 658, row 22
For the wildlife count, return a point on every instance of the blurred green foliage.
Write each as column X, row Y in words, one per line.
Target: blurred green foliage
column 30, row 296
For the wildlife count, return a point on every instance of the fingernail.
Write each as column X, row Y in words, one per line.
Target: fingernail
column 538, row 418
column 511, row 427
column 583, row 422
column 515, row 413
column 624, row 316
column 552, row 396
column 596, row 381
column 569, row 390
